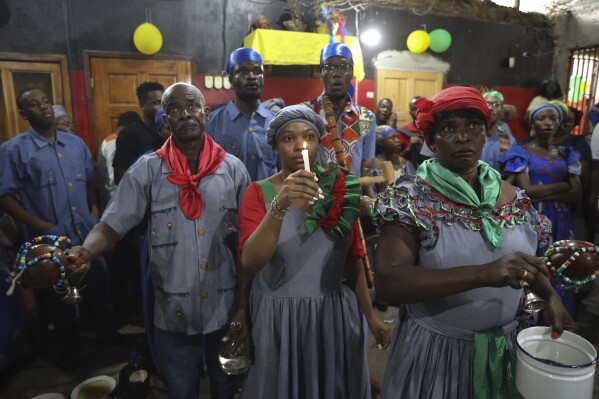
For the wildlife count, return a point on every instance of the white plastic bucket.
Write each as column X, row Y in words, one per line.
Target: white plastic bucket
column 549, row 368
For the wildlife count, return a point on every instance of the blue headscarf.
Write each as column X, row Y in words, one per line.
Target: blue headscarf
column 158, row 119
column 384, row 130
column 240, row 55
column 542, row 107
column 294, row 113
column 335, row 49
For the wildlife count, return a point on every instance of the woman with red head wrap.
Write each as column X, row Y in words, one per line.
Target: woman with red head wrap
column 454, row 244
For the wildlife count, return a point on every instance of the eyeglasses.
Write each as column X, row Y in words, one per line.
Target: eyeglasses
column 494, row 104
column 343, row 68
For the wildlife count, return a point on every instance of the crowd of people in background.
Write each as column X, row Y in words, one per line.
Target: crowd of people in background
column 202, row 221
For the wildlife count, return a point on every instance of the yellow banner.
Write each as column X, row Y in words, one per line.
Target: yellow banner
column 283, row 47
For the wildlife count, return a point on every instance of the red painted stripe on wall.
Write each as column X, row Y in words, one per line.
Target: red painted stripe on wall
column 80, row 107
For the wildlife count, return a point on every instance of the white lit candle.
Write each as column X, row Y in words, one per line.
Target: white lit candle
column 306, row 162
column 305, row 156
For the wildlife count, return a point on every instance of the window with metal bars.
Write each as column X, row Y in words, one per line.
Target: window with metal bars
column 582, row 89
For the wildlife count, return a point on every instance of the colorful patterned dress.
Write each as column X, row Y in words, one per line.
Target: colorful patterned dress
column 544, row 171
column 433, row 344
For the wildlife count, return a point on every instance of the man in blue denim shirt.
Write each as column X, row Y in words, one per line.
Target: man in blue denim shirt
column 189, row 191
column 240, row 127
column 51, row 171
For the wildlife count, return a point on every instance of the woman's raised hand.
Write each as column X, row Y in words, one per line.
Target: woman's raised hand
column 513, row 268
column 301, row 184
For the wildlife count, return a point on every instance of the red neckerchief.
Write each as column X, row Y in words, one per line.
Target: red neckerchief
column 209, row 159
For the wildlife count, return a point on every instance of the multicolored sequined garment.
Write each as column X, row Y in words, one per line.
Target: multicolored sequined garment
column 356, row 126
column 413, row 205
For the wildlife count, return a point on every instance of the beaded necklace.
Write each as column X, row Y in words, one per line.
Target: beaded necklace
column 22, row 264
column 560, row 280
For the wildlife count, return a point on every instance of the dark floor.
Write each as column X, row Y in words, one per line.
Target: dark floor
column 40, row 374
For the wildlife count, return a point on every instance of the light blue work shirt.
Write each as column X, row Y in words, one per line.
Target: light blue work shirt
column 192, row 262
column 50, row 180
column 245, row 138
column 492, row 147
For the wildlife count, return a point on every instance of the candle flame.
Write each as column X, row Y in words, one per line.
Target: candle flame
column 305, row 144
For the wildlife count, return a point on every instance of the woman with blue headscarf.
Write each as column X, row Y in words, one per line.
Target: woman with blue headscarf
column 549, row 174
column 298, row 237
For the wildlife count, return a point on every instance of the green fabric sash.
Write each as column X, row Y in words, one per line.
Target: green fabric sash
column 454, row 188
column 494, row 366
column 340, row 225
column 268, row 191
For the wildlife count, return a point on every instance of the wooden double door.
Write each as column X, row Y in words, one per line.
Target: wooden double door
column 113, row 82
column 402, row 86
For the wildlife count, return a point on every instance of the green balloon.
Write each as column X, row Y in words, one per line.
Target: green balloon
column 575, row 80
column 575, row 95
column 440, row 40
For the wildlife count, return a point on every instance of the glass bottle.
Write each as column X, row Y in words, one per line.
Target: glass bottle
column 233, row 362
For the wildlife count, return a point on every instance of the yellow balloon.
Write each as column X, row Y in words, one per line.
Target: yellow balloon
column 418, row 41
column 147, row 38
column 584, row 87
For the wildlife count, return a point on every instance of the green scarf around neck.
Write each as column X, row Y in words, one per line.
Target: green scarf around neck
column 454, row 188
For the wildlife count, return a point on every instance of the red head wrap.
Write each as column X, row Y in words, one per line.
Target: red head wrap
column 452, row 98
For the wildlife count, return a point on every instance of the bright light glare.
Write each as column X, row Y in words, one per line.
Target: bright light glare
column 370, row 37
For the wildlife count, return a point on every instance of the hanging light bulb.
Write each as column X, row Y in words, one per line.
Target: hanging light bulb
column 370, row 37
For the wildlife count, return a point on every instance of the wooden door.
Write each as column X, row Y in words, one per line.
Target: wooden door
column 402, row 86
column 114, row 81
column 19, row 72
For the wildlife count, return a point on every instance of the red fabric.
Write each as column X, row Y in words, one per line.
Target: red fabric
column 252, row 211
column 356, row 249
column 209, row 159
column 403, row 140
column 412, row 128
column 452, row 98
column 331, row 219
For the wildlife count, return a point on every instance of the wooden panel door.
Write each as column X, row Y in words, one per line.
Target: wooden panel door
column 19, row 72
column 402, row 86
column 114, row 81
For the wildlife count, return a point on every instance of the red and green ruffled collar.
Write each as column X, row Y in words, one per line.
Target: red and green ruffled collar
column 338, row 210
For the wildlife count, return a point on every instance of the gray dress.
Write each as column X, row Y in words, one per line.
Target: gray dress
column 307, row 329
column 432, row 348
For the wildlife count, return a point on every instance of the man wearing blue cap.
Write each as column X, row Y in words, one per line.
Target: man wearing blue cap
column 240, row 127
column 355, row 124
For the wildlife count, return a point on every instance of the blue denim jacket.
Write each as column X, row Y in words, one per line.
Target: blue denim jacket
column 245, row 138
column 50, row 180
